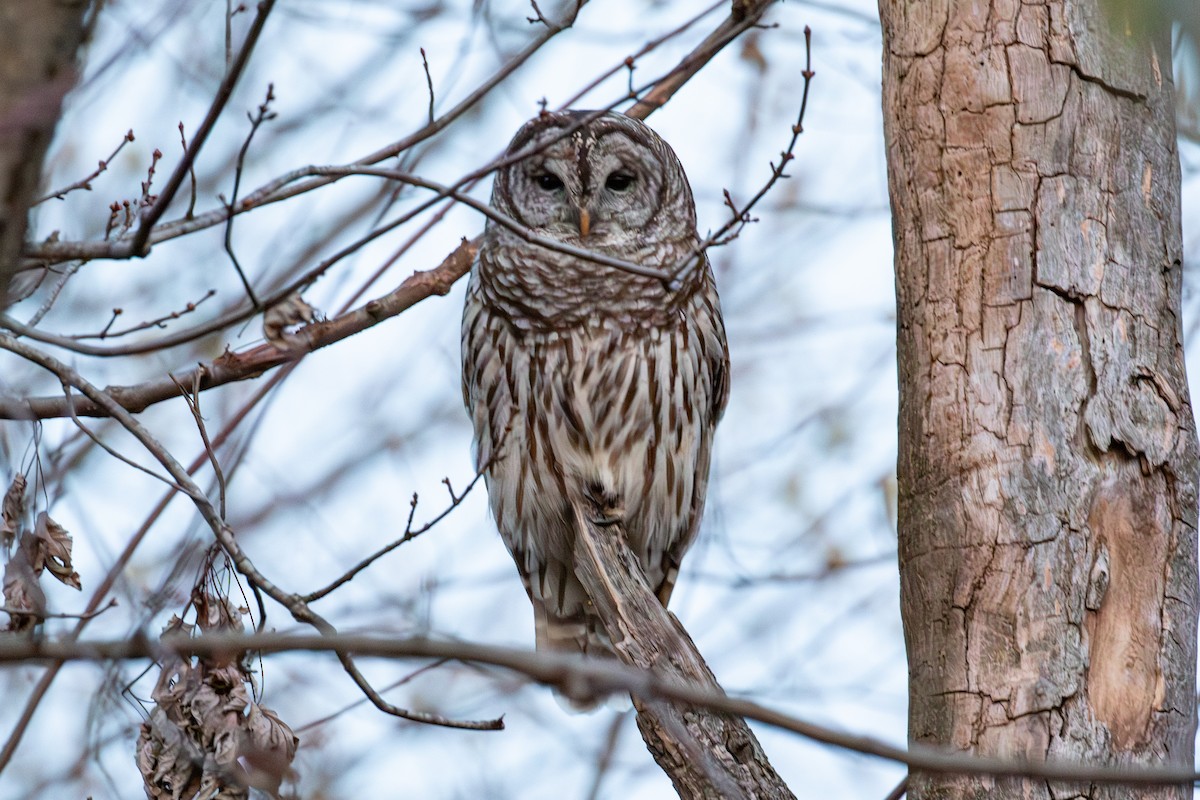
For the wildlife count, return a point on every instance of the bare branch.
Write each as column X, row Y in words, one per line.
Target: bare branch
column 224, row 535
column 741, row 215
column 410, row 533
column 428, row 82
column 601, row 675
column 742, row 17
column 705, row 754
column 140, row 238
column 264, row 114
column 86, row 182
column 232, row 367
column 157, row 322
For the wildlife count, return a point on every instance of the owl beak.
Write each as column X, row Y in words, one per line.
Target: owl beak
column 585, row 222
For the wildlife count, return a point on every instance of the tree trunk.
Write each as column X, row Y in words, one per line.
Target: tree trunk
column 1048, row 458
column 38, row 44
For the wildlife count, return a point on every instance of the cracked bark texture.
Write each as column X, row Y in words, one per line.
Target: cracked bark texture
column 38, row 44
column 1048, row 459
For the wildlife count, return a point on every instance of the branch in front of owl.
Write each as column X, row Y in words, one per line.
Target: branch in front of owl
column 562, row 670
column 501, row 219
column 740, row 216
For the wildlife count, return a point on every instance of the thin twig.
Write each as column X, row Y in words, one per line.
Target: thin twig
column 160, row 322
column 740, row 216
column 410, row 677
column 191, row 209
column 112, row 603
column 86, row 183
column 408, row 536
column 428, row 82
column 147, row 198
column 137, row 245
column 192, row 398
column 55, row 290
column 69, row 397
column 256, row 120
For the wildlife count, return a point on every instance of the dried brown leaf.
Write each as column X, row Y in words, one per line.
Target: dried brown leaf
column 54, row 550
column 216, row 612
column 176, row 625
column 269, row 749
column 170, row 763
column 22, row 591
column 14, row 511
column 206, row 732
column 292, row 310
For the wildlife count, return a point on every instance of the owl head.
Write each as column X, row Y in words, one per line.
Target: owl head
column 600, row 180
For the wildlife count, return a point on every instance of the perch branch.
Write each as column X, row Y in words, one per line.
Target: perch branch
column 707, row 754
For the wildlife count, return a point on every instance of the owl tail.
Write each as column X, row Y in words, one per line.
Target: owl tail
column 577, row 633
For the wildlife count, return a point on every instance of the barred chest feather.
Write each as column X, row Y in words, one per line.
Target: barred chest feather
column 613, row 407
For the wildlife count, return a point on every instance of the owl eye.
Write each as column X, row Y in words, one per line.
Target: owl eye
column 619, row 181
column 548, row 182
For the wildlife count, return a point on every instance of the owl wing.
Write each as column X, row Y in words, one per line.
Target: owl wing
column 713, row 387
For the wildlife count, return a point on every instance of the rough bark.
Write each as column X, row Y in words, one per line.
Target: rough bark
column 1048, row 458
column 706, row 754
column 38, row 44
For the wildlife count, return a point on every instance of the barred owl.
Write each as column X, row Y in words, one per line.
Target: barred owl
column 591, row 387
